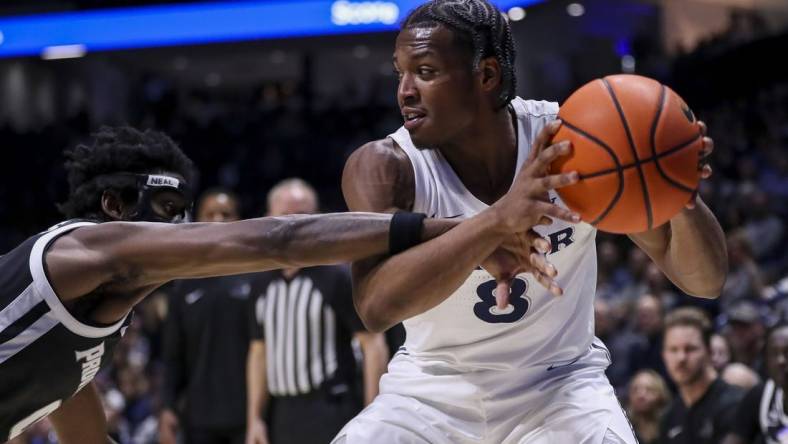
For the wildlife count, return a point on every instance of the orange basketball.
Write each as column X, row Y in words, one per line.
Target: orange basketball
column 636, row 146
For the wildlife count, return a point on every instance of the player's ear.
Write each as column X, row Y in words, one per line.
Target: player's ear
column 112, row 205
column 491, row 74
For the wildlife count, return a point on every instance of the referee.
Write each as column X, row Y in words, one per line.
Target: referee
column 205, row 344
column 301, row 371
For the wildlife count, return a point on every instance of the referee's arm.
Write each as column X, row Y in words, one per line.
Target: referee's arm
column 256, row 393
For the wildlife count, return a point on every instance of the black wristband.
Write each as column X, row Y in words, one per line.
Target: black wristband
column 405, row 231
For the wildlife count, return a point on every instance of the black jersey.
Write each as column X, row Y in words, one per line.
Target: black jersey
column 761, row 417
column 206, row 339
column 705, row 422
column 46, row 355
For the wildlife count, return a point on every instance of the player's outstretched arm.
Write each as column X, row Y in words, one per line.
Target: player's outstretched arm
column 379, row 177
column 690, row 248
column 124, row 257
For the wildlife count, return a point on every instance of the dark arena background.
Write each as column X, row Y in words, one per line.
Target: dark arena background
column 258, row 91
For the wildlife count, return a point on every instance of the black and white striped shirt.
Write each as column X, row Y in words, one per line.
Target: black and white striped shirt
column 46, row 355
column 307, row 323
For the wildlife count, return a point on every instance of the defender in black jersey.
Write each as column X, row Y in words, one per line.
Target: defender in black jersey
column 65, row 294
column 762, row 416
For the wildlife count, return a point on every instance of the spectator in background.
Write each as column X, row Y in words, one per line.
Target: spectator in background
column 138, row 411
column 720, row 352
column 620, row 343
column 705, row 407
column 777, row 295
column 660, row 287
column 301, row 371
column 637, row 265
column 746, row 334
column 774, row 178
column 744, row 279
column 763, row 228
column 740, row 375
column 128, row 388
column 647, row 351
column 117, row 426
column 611, row 276
column 762, row 416
column 604, row 324
column 205, row 343
column 646, row 401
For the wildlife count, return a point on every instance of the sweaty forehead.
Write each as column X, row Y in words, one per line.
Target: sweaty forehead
column 424, row 39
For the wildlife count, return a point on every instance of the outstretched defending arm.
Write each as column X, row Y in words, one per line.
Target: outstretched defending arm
column 123, row 257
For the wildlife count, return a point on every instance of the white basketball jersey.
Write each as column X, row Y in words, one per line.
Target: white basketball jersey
column 466, row 331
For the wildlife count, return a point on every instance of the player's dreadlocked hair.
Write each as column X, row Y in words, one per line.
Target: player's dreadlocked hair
column 478, row 25
column 115, row 150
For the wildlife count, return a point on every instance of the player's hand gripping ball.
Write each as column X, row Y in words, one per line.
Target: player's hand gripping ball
column 638, row 149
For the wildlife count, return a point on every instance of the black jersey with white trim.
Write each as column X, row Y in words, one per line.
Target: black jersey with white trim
column 761, row 416
column 46, row 355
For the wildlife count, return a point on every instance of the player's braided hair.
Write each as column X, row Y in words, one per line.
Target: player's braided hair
column 114, row 150
column 481, row 27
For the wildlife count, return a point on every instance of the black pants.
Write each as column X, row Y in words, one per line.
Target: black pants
column 197, row 435
column 314, row 418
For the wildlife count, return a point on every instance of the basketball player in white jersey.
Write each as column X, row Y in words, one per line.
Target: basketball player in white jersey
column 66, row 294
column 473, row 370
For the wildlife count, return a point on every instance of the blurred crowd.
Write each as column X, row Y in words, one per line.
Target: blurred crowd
column 248, row 144
column 748, row 194
column 245, row 143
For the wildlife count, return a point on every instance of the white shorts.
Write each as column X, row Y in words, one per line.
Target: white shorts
column 426, row 404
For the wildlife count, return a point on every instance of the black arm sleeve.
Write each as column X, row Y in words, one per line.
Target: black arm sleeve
column 745, row 424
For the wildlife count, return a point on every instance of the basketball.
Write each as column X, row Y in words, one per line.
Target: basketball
column 636, row 145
